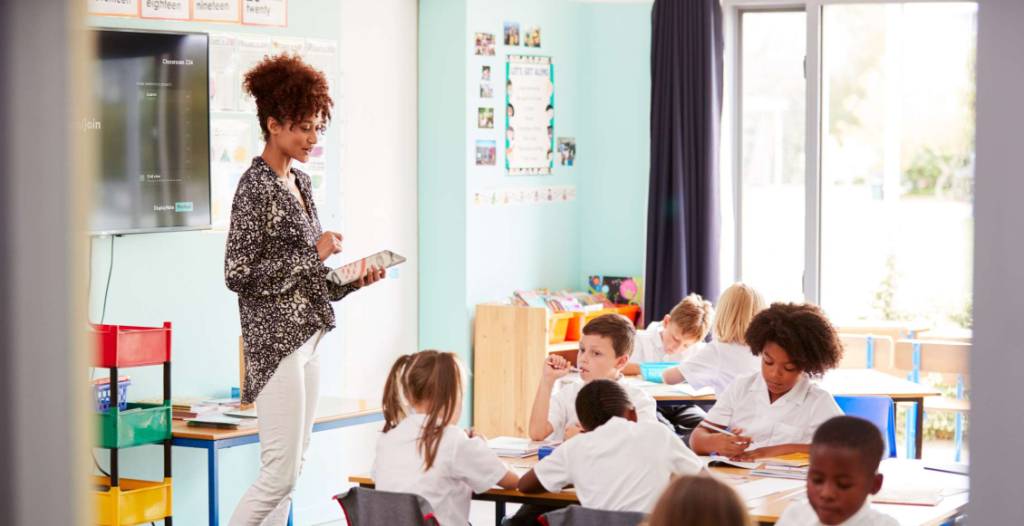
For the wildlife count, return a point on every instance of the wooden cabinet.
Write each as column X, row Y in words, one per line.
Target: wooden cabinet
column 510, row 345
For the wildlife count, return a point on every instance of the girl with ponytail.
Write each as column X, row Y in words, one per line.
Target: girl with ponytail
column 421, row 450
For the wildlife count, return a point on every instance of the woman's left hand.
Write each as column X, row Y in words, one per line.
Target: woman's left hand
column 373, row 275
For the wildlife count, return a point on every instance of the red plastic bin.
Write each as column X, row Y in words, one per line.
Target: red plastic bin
column 127, row 346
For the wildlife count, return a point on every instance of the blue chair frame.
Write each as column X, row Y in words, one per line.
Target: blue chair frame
column 879, row 410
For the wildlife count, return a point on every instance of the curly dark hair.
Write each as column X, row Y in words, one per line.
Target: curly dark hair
column 599, row 401
column 288, row 89
column 802, row 330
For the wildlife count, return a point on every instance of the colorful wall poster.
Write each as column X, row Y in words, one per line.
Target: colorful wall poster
column 529, row 115
column 618, row 290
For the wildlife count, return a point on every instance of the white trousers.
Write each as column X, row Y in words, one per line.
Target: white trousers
column 285, row 409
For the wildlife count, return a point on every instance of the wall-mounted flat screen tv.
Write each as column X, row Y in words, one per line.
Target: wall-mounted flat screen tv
column 152, row 123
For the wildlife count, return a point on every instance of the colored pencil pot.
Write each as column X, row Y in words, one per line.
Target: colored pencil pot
column 651, row 371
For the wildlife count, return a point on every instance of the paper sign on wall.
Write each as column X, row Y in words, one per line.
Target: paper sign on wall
column 216, row 10
column 113, row 7
column 529, row 115
column 265, row 12
column 165, row 9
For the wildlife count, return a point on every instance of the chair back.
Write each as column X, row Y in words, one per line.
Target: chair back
column 879, row 410
column 580, row 516
column 369, row 507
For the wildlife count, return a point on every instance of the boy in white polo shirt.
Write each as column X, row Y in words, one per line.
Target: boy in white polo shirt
column 775, row 411
column 845, row 454
column 604, row 350
column 617, row 463
column 686, row 325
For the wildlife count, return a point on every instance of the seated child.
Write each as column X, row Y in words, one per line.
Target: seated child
column 421, row 450
column 845, row 454
column 699, row 501
column 617, row 463
column 718, row 363
column 666, row 340
column 775, row 411
column 604, row 350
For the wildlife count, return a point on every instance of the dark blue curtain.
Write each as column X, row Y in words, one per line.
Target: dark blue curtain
column 686, row 108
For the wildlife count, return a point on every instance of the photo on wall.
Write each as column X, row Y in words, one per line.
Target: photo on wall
column 566, row 150
column 485, row 44
column 485, row 118
column 486, row 90
column 486, row 154
column 532, row 37
column 485, row 73
column 511, row 33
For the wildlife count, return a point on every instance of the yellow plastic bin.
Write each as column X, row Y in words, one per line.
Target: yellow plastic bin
column 558, row 323
column 133, row 502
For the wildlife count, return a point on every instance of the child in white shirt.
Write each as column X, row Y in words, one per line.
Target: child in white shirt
column 845, row 454
column 604, row 349
column 667, row 340
column 776, row 411
column 421, row 450
column 617, row 463
column 718, row 363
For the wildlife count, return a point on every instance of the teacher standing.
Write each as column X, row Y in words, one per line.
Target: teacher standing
column 274, row 261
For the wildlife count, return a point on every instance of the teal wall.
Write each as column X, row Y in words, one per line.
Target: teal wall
column 472, row 254
column 179, row 277
column 613, row 150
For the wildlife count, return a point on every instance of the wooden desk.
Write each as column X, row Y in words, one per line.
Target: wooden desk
column 332, row 413
column 847, row 382
column 899, row 473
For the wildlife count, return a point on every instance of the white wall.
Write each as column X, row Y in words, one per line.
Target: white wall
column 377, row 118
column 997, row 361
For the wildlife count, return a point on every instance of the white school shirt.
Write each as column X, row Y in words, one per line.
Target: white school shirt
column 648, row 346
column 802, row 514
column 463, row 466
column 717, row 364
column 620, row 466
column 562, row 410
column 792, row 419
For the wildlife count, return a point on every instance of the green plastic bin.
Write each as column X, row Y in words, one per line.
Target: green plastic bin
column 137, row 425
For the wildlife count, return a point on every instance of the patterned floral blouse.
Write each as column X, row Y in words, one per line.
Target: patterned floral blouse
column 272, row 264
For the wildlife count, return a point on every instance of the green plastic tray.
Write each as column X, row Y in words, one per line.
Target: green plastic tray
column 137, row 425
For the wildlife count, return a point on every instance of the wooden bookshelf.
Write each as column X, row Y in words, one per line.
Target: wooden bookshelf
column 510, row 344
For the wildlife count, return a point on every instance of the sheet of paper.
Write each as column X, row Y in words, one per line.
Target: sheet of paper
column 756, row 489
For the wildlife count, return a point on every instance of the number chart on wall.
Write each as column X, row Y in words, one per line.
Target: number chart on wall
column 529, row 115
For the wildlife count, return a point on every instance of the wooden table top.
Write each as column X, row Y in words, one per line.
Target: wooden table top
column 329, row 409
column 850, row 382
column 899, row 473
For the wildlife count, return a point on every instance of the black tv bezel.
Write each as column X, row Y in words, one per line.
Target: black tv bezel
column 209, row 166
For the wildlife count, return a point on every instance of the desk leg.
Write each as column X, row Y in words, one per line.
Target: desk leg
column 211, row 482
column 919, row 437
column 499, row 512
column 290, row 518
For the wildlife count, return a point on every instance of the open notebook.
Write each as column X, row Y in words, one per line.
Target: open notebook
column 351, row 272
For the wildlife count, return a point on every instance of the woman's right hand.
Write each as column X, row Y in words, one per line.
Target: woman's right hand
column 328, row 245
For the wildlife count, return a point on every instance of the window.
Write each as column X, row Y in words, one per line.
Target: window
column 887, row 231
column 897, row 151
column 772, row 154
